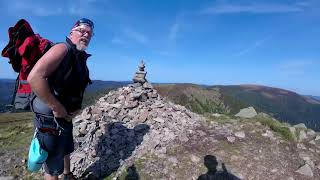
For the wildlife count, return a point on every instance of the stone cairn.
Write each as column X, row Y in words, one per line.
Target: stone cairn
column 140, row 75
column 126, row 124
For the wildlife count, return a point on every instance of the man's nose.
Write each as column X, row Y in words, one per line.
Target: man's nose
column 86, row 34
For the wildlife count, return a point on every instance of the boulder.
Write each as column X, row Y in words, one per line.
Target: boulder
column 305, row 170
column 240, row 134
column 249, row 112
column 300, row 125
column 302, row 135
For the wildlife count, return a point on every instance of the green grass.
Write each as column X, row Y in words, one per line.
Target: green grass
column 222, row 119
column 16, row 130
column 276, row 126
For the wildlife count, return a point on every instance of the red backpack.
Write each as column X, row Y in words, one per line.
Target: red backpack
column 23, row 50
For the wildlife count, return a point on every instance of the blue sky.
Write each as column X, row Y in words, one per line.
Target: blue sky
column 222, row 42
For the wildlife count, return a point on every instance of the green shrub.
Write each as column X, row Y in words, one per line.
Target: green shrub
column 276, row 126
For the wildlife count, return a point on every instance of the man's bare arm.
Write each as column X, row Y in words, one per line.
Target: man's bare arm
column 37, row 78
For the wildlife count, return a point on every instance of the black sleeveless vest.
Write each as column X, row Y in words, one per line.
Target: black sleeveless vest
column 71, row 78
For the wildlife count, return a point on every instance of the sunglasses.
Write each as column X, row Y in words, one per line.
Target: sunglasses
column 82, row 32
column 84, row 21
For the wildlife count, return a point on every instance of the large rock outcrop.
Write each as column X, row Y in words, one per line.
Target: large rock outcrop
column 129, row 121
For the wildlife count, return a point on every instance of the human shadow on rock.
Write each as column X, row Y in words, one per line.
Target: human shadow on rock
column 132, row 173
column 116, row 145
column 211, row 163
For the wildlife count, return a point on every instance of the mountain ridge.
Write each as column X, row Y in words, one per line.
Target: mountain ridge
column 285, row 105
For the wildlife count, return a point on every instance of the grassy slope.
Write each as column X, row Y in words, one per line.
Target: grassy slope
column 16, row 131
column 201, row 99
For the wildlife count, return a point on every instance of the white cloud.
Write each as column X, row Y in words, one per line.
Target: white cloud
column 174, row 31
column 37, row 9
column 252, row 47
column 139, row 37
column 296, row 67
column 88, row 7
column 117, row 40
column 2, row 44
column 225, row 8
column 297, row 64
column 47, row 8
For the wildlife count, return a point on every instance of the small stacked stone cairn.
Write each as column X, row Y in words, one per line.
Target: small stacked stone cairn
column 140, row 75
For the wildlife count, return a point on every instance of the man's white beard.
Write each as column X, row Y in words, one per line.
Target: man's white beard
column 81, row 47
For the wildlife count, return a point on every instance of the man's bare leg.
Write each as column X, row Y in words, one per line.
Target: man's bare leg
column 49, row 177
column 66, row 161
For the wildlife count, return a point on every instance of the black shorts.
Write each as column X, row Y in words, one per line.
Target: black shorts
column 57, row 145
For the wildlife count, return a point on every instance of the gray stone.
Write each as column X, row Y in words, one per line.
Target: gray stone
column 194, row 158
column 116, row 105
column 131, row 104
column 302, row 135
column 317, row 138
column 134, row 85
column 311, row 133
column 136, row 95
column 262, row 114
column 147, row 85
column 86, row 113
column 301, row 146
column 268, row 133
column 83, row 129
column 143, row 116
column 300, row 125
column 240, row 134
column 159, row 120
column 305, row 170
column 249, row 112
column 6, row 178
column 312, row 142
column 231, row 139
column 183, row 138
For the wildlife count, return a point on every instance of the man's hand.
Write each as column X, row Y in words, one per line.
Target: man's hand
column 70, row 116
column 59, row 111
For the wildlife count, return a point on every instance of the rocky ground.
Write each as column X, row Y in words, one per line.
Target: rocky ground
column 134, row 133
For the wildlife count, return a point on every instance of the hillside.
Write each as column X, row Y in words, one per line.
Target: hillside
column 314, row 98
column 284, row 105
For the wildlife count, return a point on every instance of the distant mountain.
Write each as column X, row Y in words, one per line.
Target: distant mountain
column 99, row 88
column 6, row 92
column 93, row 90
column 98, row 85
column 284, row 105
column 315, row 99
